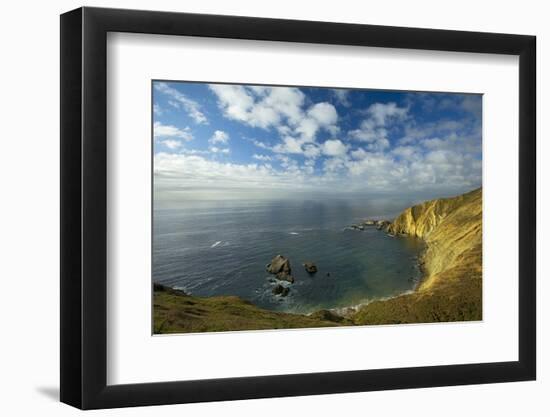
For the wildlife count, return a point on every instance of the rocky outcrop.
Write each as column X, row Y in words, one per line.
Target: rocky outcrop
column 310, row 267
column 285, row 277
column 160, row 287
column 382, row 224
column 280, row 267
column 379, row 224
column 280, row 290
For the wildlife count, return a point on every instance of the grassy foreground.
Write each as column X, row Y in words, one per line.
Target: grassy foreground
column 176, row 312
column 451, row 289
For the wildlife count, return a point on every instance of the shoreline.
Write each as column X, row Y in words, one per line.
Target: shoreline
column 341, row 311
column 448, row 289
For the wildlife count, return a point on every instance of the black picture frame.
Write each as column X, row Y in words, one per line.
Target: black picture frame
column 84, row 207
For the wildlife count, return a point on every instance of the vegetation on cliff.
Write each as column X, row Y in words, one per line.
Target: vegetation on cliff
column 451, row 289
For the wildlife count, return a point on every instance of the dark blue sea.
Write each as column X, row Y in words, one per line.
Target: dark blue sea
column 222, row 248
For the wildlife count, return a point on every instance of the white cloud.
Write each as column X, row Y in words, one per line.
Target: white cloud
column 403, row 169
column 171, row 143
column 405, row 152
column 375, row 167
column 334, row 147
column 263, row 158
column 195, row 170
column 237, row 104
column 164, row 131
column 368, row 132
column 374, row 129
column 216, row 149
column 192, row 108
column 342, row 96
column 469, row 103
column 219, row 136
column 311, row 151
column 414, row 132
column 307, row 129
column 286, row 101
column 282, row 108
column 324, row 113
column 290, row 165
column 380, row 116
column 359, row 153
column 433, row 143
column 264, row 110
column 185, row 151
column 157, row 109
column 468, row 143
column 179, row 176
column 289, row 145
column 309, row 166
column 319, row 116
column 379, row 145
column 262, row 145
column 333, row 165
column 381, row 112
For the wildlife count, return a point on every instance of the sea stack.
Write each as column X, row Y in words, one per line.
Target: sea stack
column 280, row 267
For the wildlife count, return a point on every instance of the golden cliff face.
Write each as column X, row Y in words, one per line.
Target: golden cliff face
column 423, row 218
column 451, row 227
column 452, row 288
column 456, row 242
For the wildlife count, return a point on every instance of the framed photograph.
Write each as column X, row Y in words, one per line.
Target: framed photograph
column 257, row 208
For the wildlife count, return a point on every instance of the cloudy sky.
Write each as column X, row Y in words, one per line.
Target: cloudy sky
column 221, row 141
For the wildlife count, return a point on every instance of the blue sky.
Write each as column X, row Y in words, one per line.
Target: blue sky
column 219, row 141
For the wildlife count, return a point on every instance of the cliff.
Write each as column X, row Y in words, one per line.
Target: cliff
column 451, row 289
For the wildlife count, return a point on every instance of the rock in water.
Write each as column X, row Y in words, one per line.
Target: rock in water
column 280, row 290
column 280, row 267
column 382, row 224
column 283, row 276
column 279, row 264
column 310, row 267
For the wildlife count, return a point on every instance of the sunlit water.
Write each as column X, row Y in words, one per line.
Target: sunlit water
column 222, row 248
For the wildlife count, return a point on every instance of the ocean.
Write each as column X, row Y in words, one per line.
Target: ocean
column 211, row 248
